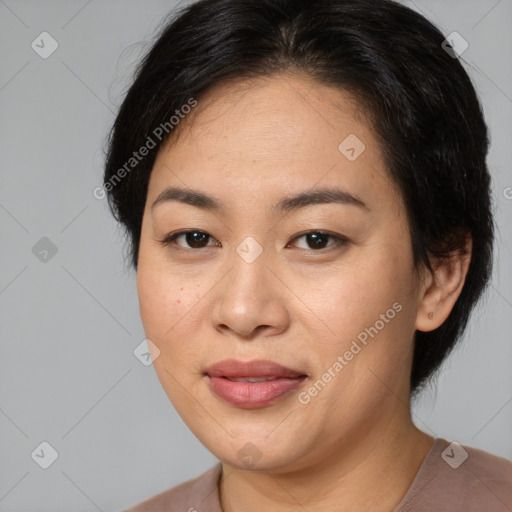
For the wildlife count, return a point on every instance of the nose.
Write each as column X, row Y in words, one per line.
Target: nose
column 251, row 301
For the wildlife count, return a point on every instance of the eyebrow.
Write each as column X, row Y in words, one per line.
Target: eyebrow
column 286, row 204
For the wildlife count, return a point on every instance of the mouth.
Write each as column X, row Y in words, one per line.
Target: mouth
column 251, row 379
column 252, row 384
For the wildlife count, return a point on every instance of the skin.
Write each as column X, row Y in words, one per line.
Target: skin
column 249, row 144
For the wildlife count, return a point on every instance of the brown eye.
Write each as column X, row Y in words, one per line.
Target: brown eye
column 193, row 239
column 318, row 240
column 196, row 239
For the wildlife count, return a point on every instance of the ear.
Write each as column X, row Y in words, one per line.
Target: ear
column 439, row 290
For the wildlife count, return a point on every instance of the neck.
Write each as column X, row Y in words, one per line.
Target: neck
column 371, row 472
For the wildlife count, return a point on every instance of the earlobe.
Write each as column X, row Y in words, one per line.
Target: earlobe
column 442, row 288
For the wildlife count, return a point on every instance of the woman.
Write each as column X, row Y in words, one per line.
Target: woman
column 307, row 203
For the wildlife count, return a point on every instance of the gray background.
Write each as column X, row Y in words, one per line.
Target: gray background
column 69, row 325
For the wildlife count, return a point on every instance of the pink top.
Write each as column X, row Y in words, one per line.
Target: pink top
column 452, row 478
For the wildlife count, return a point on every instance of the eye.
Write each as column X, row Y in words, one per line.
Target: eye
column 194, row 239
column 318, row 240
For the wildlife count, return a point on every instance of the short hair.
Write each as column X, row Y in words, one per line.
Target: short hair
column 422, row 105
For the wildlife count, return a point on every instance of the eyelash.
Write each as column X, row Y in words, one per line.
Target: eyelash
column 339, row 241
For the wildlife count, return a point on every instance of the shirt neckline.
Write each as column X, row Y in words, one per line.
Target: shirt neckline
column 423, row 475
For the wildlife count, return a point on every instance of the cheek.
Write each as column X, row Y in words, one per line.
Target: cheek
column 352, row 296
column 367, row 302
column 161, row 308
column 172, row 312
column 165, row 298
column 155, row 301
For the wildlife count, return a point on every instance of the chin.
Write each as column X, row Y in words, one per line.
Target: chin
column 256, row 451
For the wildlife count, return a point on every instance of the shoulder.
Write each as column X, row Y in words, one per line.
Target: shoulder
column 200, row 493
column 461, row 478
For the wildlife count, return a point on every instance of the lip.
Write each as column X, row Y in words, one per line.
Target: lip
column 252, row 395
column 256, row 368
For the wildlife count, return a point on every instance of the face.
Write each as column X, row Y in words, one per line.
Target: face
column 322, row 285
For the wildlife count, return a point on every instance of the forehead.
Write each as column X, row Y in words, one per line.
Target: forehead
column 270, row 111
column 272, row 135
